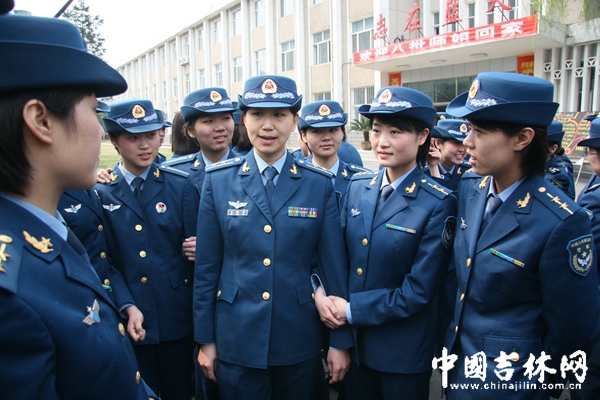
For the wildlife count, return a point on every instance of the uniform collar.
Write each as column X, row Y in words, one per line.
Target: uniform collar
column 56, row 223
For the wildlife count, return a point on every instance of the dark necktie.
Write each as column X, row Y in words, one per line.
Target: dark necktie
column 76, row 245
column 447, row 175
column 137, row 186
column 385, row 193
column 270, row 172
column 493, row 204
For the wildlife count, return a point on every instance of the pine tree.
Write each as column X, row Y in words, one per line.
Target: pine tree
column 88, row 25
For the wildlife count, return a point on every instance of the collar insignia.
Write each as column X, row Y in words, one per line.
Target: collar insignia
column 245, row 168
column 373, row 181
column 113, row 177
column 484, row 182
column 156, row 173
column 523, row 203
column 42, row 245
column 344, row 173
column 197, row 163
column 293, row 170
column 411, row 188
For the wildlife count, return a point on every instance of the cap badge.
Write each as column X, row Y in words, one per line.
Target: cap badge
column 324, row 110
column 463, row 128
column 474, row 88
column 385, row 96
column 442, row 117
column 138, row 111
column 215, row 96
column 269, row 86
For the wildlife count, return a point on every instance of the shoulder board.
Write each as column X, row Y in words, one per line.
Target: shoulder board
column 11, row 248
column 364, row 175
column 314, row 167
column 224, row 164
column 356, row 168
column 470, row 174
column 179, row 160
column 557, row 201
column 171, row 170
column 434, row 188
column 592, row 188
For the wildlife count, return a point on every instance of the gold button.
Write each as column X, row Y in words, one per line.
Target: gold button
column 266, row 262
column 144, row 279
column 514, row 356
column 121, row 329
column 186, row 281
column 359, row 271
column 456, row 329
column 100, row 228
column 313, row 296
column 106, row 282
column 143, row 254
column 267, row 228
column 138, row 378
column 138, row 228
column 423, row 180
column 462, row 297
column 365, row 242
column 266, row 296
column 219, row 293
column 102, row 255
column 468, row 262
column 542, row 189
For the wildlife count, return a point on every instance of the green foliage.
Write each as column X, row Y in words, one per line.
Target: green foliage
column 88, row 25
column 590, row 8
column 362, row 125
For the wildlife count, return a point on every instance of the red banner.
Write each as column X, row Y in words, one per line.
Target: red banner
column 500, row 31
column 525, row 64
column 396, row 79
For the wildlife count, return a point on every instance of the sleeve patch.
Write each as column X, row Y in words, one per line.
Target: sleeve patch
column 581, row 254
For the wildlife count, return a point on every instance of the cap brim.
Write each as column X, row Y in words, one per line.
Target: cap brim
column 189, row 112
column 425, row 115
column 592, row 142
column 269, row 104
column 112, row 127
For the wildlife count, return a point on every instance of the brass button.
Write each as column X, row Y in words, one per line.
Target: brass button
column 100, row 228
column 456, row 329
column 313, row 296
column 186, row 281
column 542, row 189
column 138, row 227
column 138, row 378
column 514, row 356
column 219, row 293
column 267, row 228
column 266, row 262
column 102, row 255
column 143, row 254
column 144, row 279
column 359, row 271
column 121, row 329
column 106, row 282
column 365, row 242
column 468, row 262
column 462, row 297
column 266, row 296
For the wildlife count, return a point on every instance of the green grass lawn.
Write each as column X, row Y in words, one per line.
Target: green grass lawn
column 109, row 156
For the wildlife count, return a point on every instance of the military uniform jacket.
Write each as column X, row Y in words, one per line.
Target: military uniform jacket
column 46, row 293
column 589, row 199
column 343, row 175
column 454, row 181
column 145, row 239
column 528, row 284
column 557, row 173
column 83, row 214
column 253, row 295
column 398, row 259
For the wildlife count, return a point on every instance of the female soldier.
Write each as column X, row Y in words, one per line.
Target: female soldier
column 61, row 336
column 527, row 278
column 558, row 164
column 398, row 250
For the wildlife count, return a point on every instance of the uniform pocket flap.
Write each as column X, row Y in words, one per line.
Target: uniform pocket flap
column 226, row 292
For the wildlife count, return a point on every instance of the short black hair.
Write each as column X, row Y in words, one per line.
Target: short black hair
column 15, row 168
column 535, row 155
column 181, row 143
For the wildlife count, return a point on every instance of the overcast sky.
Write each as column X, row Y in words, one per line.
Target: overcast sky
column 130, row 27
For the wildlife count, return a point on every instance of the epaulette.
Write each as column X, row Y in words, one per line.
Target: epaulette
column 433, row 187
column 179, row 160
column 553, row 170
column 557, row 201
column 11, row 248
column 592, row 188
column 357, row 169
column 470, row 174
column 224, row 164
column 364, row 175
column 314, row 167
column 171, row 170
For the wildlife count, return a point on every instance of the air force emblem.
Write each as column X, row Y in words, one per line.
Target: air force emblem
column 580, row 254
column 73, row 209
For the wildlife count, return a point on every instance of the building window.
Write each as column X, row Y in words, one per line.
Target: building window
column 217, row 32
column 173, row 50
column 188, row 84
column 315, row 2
column 219, row 74
column 260, row 62
column 236, row 22
column 322, row 52
column 186, row 45
column 321, row 96
column 175, row 91
column 259, row 13
column 200, row 38
column 442, row 91
column 287, row 55
column 146, row 93
column 164, row 85
column 286, row 7
column 154, row 93
column 436, row 23
column 471, row 15
column 514, row 13
column 163, row 59
column 153, row 61
column 363, row 95
column 237, row 69
column 201, row 78
column 362, row 35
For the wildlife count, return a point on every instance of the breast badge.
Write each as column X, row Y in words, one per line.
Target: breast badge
column 73, row 209
column 93, row 314
column 161, row 208
column 237, row 210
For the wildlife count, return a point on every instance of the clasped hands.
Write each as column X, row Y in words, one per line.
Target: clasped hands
column 332, row 309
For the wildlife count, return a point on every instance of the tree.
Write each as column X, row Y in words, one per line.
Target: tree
column 88, row 25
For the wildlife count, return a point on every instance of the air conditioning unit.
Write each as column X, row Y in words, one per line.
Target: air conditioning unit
column 184, row 60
